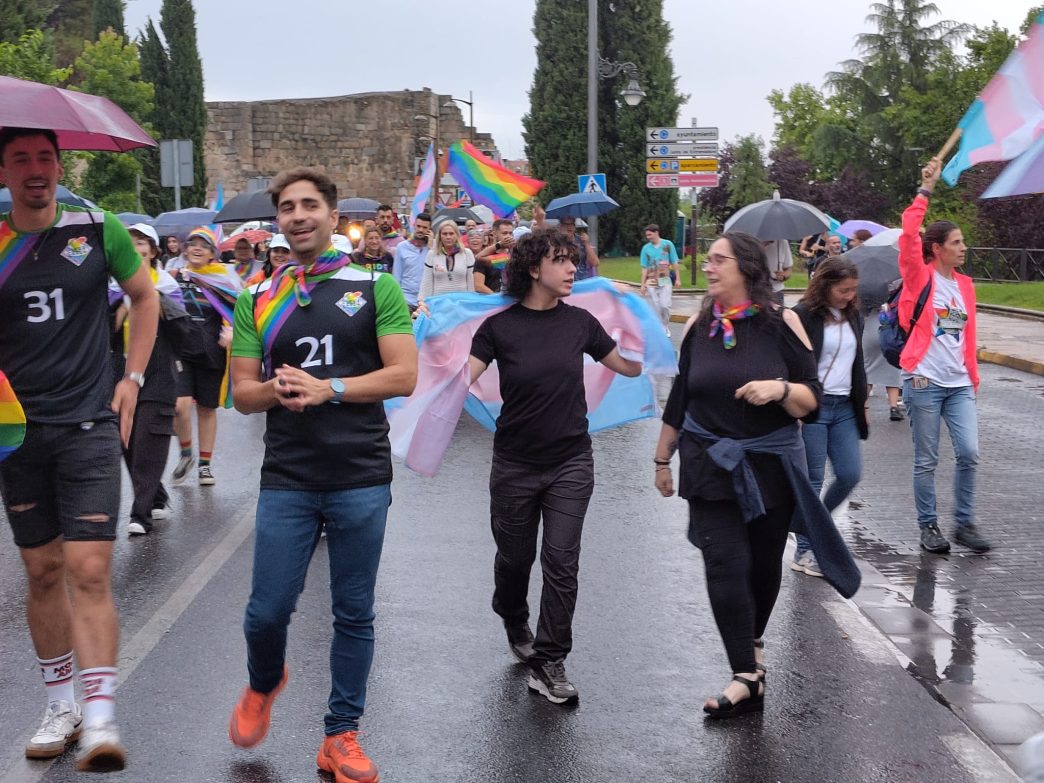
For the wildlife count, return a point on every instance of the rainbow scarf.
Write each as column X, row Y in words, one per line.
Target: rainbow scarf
column 724, row 319
column 219, row 286
column 498, row 260
column 15, row 247
column 12, row 420
column 488, row 183
column 245, row 269
column 291, row 287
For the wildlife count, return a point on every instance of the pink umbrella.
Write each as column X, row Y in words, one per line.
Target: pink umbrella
column 849, row 227
column 82, row 121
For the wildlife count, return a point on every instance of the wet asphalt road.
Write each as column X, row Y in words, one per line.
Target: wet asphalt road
column 446, row 700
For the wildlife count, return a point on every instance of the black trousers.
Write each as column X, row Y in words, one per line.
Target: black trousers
column 744, row 566
column 520, row 495
column 146, row 457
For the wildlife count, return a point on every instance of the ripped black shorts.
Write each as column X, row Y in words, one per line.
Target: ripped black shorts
column 65, row 479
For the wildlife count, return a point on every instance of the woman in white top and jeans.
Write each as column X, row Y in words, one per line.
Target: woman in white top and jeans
column 830, row 314
column 449, row 266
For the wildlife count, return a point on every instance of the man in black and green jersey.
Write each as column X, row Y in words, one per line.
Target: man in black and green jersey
column 61, row 489
column 319, row 346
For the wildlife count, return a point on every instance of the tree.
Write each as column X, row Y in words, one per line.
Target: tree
column 108, row 15
column 791, row 174
column 555, row 126
column 714, row 202
column 110, row 67
column 748, row 180
column 181, row 110
column 155, row 69
column 21, row 16
column 32, row 57
column 72, row 24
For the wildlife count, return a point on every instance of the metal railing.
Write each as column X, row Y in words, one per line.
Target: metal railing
column 1005, row 264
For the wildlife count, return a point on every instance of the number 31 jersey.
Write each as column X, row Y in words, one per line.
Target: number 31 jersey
column 54, row 323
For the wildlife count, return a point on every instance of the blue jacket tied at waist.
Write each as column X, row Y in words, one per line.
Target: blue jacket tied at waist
column 810, row 515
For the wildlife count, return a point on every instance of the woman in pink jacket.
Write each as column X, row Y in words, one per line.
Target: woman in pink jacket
column 939, row 366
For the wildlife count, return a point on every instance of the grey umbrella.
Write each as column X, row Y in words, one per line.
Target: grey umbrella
column 459, row 215
column 62, row 195
column 357, row 208
column 878, row 268
column 180, row 222
column 778, row 218
column 247, row 206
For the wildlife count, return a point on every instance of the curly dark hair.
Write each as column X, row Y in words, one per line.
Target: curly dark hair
column 829, row 273
column 753, row 265
column 527, row 254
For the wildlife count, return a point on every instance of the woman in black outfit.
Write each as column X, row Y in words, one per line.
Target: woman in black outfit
column 746, row 372
column 542, row 464
column 831, row 315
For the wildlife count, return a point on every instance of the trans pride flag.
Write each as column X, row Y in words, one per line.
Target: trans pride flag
column 1008, row 116
column 423, row 423
column 424, row 185
column 12, row 419
column 499, row 188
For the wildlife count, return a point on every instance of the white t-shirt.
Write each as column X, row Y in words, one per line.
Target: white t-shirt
column 943, row 363
column 778, row 256
column 837, row 357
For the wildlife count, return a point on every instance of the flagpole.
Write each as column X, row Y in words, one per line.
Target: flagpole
column 950, row 144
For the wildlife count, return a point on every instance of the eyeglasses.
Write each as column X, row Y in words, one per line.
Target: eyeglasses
column 717, row 260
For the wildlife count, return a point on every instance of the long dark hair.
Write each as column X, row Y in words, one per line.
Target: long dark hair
column 753, row 265
column 527, row 254
column 936, row 234
column 830, row 273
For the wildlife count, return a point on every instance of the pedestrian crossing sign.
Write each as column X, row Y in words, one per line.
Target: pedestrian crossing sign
column 591, row 183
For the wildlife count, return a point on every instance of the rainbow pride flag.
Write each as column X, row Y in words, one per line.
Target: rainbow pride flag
column 489, row 183
column 12, row 419
column 499, row 260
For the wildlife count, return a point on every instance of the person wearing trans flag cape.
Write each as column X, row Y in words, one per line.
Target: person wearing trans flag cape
column 522, row 356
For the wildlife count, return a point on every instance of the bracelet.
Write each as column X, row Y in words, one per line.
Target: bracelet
column 661, row 461
column 662, row 467
column 786, row 391
column 924, row 192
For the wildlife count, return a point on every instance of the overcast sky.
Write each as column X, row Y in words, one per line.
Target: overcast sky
column 728, row 55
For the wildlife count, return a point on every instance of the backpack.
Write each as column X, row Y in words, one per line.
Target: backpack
column 890, row 334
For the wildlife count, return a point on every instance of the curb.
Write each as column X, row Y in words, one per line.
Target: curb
column 1012, row 362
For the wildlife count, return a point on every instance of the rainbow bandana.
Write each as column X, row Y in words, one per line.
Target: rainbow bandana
column 724, row 319
column 12, row 419
column 14, row 249
column 219, row 285
column 499, row 260
column 245, row 269
column 291, row 287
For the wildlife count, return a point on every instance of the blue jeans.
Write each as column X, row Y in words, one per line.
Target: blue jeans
column 834, row 434
column 289, row 523
column 956, row 406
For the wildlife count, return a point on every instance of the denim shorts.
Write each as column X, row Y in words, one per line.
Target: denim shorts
column 69, row 477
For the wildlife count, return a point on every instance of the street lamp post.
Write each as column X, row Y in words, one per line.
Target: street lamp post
column 599, row 67
column 438, row 154
column 471, row 111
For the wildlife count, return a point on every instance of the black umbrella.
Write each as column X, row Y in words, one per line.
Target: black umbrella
column 357, row 208
column 459, row 215
column 778, row 218
column 878, row 269
column 247, row 206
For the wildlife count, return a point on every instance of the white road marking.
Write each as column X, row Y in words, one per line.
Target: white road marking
column 978, row 758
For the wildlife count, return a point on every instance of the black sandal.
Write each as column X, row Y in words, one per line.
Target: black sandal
column 759, row 644
column 755, row 702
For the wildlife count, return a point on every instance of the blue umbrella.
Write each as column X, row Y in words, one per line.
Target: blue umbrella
column 131, row 218
column 581, row 205
column 62, row 195
column 180, row 222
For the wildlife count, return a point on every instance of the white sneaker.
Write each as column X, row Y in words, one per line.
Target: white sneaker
column 59, row 727
column 135, row 528
column 164, row 512
column 100, row 749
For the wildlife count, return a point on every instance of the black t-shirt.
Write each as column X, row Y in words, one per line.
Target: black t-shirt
column 382, row 263
column 705, row 388
column 203, row 348
column 540, row 357
column 491, row 273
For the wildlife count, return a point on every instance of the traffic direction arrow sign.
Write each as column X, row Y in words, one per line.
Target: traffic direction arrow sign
column 681, row 180
column 666, row 150
column 658, row 165
column 681, row 134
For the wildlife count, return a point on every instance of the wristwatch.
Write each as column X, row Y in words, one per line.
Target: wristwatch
column 137, row 377
column 338, row 388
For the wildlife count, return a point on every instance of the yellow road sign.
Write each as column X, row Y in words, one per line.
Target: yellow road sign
column 669, row 165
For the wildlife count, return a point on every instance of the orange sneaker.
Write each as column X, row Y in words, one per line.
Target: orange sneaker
column 341, row 755
column 252, row 715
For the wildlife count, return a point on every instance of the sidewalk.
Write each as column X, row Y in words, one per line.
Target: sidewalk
column 1009, row 341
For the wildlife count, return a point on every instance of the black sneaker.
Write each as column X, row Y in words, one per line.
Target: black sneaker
column 969, row 536
column 548, row 678
column 520, row 641
column 894, row 414
column 934, row 541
